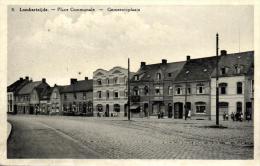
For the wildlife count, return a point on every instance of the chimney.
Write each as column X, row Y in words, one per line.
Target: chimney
column 27, row 78
column 86, row 78
column 164, row 61
column 73, row 80
column 187, row 57
column 142, row 64
column 44, row 80
column 223, row 52
column 21, row 78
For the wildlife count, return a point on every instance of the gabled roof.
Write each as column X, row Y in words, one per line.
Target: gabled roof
column 17, row 85
column 44, row 93
column 148, row 72
column 230, row 61
column 27, row 89
column 197, row 70
column 79, row 86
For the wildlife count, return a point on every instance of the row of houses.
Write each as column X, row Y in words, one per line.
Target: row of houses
column 168, row 88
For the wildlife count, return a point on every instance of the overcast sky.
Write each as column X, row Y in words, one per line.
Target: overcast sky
column 59, row 45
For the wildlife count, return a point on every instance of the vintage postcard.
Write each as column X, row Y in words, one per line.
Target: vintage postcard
column 132, row 83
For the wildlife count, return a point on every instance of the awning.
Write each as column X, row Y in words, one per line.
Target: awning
column 134, row 106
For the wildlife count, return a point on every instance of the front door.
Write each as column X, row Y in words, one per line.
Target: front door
column 178, row 110
column 170, row 110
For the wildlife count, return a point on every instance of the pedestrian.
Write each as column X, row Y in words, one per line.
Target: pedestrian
column 186, row 114
column 224, row 116
column 159, row 115
column 189, row 114
column 233, row 116
column 241, row 116
column 227, row 116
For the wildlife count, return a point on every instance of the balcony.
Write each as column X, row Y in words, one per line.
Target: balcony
column 135, row 98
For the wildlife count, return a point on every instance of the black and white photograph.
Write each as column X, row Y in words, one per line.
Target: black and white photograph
column 154, row 81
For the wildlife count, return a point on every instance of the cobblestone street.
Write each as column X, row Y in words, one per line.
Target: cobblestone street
column 92, row 137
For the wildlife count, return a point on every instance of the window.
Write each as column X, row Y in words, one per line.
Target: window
column 200, row 107
column 116, row 108
column 169, row 74
column 223, row 70
column 65, row 96
column 136, row 77
column 107, row 94
column 125, row 80
column 237, row 69
column 116, row 94
column 107, row 80
column 158, row 90
column 84, row 95
column 239, row 88
column 99, row 94
column 178, row 90
column 158, row 76
column 252, row 85
column 99, row 82
column 126, row 94
column 223, row 88
column 169, row 90
column 239, row 106
column 200, row 89
column 55, row 95
column 115, row 80
column 146, row 90
column 136, row 91
column 188, row 90
column 75, row 95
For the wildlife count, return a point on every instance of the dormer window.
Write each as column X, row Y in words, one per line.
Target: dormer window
column 136, row 77
column 158, row 76
column 223, row 70
column 238, row 69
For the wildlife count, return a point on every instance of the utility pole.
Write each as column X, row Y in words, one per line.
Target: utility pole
column 217, row 88
column 129, row 103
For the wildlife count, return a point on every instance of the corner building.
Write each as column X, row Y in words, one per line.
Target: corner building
column 110, row 92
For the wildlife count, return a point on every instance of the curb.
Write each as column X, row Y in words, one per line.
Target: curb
column 9, row 129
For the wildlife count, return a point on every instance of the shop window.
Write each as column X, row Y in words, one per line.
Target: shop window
column 200, row 107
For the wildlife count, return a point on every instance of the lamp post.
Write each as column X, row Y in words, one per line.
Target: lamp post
column 217, row 88
column 185, row 101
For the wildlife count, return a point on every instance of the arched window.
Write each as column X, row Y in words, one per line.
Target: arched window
column 239, row 88
column 158, row 76
column 223, row 88
column 99, row 82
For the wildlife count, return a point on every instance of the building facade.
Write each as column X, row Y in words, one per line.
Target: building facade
column 192, row 89
column 77, row 98
column 55, row 100
column 110, row 92
column 151, row 89
column 12, row 91
column 236, row 84
column 27, row 99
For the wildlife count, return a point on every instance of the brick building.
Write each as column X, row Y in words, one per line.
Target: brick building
column 192, row 86
column 77, row 98
column 151, row 88
column 110, row 92
column 236, row 84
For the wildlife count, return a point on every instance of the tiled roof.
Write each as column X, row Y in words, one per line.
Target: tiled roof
column 230, row 61
column 27, row 89
column 148, row 72
column 17, row 85
column 79, row 86
column 197, row 69
column 44, row 92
